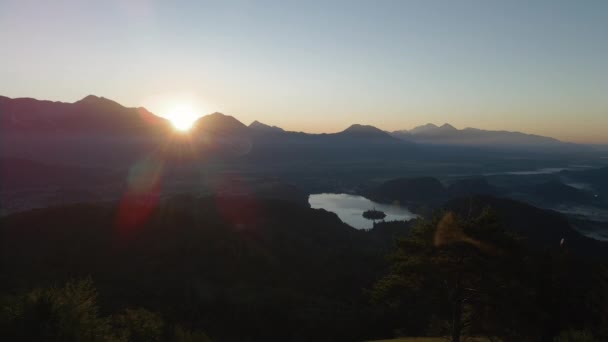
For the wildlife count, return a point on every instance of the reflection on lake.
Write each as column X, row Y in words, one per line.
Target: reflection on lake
column 350, row 208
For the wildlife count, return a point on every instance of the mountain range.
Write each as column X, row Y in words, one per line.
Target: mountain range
column 91, row 115
column 102, row 115
column 447, row 134
column 102, row 129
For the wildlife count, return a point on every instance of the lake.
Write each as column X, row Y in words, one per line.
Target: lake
column 350, row 208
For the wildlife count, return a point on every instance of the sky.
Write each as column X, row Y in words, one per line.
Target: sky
column 318, row 66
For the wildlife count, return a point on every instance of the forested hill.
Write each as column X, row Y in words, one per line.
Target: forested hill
column 242, row 269
column 275, row 270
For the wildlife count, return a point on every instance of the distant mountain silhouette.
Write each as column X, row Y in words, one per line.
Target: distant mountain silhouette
column 263, row 128
column 356, row 143
column 449, row 135
column 96, row 131
column 366, row 132
column 101, row 116
column 91, row 115
column 93, row 131
column 219, row 124
column 421, row 129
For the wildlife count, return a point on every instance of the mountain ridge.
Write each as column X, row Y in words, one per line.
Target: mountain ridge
column 428, row 133
column 90, row 115
column 99, row 116
column 264, row 128
column 469, row 136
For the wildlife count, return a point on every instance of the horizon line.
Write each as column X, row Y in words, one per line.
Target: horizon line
column 306, row 132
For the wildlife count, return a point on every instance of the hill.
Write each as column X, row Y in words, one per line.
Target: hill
column 257, row 126
column 420, row 191
column 220, row 125
column 556, row 192
column 94, row 131
column 542, row 228
column 472, row 186
column 449, row 135
column 268, row 267
column 91, row 115
column 365, row 132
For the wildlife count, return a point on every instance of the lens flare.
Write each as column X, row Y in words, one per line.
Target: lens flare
column 141, row 198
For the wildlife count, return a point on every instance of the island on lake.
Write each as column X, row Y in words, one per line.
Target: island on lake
column 374, row 214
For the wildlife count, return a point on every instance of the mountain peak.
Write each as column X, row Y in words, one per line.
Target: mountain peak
column 447, row 126
column 90, row 98
column 365, row 131
column 424, row 128
column 219, row 123
column 98, row 100
column 94, row 99
column 447, row 134
column 262, row 127
column 357, row 128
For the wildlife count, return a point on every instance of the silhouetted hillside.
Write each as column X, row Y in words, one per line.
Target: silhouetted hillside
column 555, row 191
column 263, row 128
column 356, row 143
column 277, row 271
column 273, row 269
column 472, row 186
column 218, row 124
column 93, row 131
column 366, row 132
column 96, row 131
column 92, row 115
column 449, row 135
column 416, row 191
column 542, row 228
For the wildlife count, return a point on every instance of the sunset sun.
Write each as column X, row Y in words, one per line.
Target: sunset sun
column 182, row 117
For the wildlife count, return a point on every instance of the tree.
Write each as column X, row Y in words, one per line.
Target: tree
column 454, row 268
column 70, row 313
column 67, row 313
column 139, row 325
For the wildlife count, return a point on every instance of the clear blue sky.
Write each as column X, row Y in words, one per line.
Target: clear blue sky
column 534, row 66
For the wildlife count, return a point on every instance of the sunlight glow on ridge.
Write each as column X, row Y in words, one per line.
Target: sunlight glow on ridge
column 182, row 117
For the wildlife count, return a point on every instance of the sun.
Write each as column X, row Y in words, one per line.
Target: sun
column 182, row 117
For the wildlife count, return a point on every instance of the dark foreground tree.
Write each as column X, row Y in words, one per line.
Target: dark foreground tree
column 70, row 313
column 462, row 271
column 66, row 313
